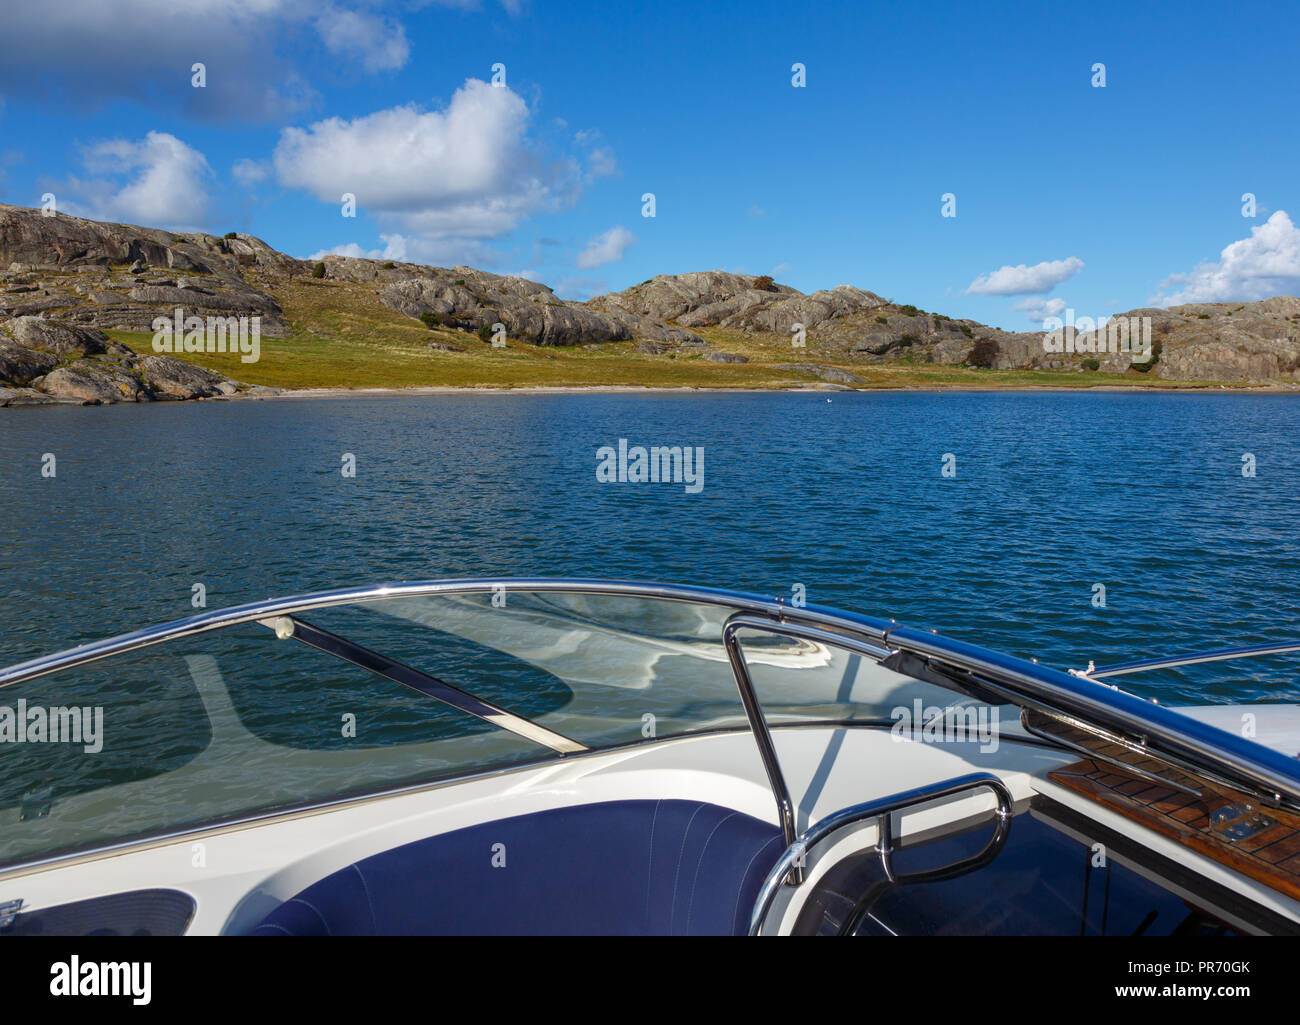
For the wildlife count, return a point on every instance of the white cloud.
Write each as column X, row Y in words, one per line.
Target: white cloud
column 1025, row 280
column 511, row 6
column 249, row 172
column 467, row 172
column 378, row 44
column 602, row 162
column 580, row 289
column 1259, row 267
column 600, row 158
column 9, row 157
column 445, row 252
column 89, row 51
column 157, row 181
column 441, row 252
column 348, row 249
column 1038, row 310
column 607, row 247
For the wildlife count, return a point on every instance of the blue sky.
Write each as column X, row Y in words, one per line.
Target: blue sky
column 1099, row 199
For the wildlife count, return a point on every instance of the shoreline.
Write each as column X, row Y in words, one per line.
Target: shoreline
column 824, row 388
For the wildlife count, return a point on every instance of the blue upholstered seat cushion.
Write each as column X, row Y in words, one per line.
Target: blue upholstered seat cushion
column 615, row 868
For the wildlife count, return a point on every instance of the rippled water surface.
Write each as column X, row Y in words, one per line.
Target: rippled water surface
column 1054, row 493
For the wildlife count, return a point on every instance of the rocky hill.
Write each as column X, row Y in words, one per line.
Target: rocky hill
column 65, row 281
column 469, row 299
column 1220, row 342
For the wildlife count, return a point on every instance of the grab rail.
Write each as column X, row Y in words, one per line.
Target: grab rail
column 1171, row 661
column 754, row 711
column 762, row 735
column 1271, row 776
column 882, row 808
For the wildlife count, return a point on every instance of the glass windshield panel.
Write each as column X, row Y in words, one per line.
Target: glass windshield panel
column 240, row 722
column 635, row 668
column 217, row 727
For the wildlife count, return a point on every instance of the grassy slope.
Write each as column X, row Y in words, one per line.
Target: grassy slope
column 344, row 337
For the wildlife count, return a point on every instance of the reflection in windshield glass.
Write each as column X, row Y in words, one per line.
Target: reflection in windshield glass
column 237, row 721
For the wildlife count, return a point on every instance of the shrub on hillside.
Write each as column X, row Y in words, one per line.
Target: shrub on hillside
column 318, row 271
column 1156, row 349
column 764, row 283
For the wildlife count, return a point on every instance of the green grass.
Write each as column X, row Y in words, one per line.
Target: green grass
column 344, row 337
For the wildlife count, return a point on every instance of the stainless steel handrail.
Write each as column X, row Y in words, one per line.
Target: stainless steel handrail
column 754, row 711
column 1169, row 662
column 881, row 808
column 762, row 735
column 785, row 627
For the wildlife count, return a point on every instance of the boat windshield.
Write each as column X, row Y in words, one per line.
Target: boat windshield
column 335, row 701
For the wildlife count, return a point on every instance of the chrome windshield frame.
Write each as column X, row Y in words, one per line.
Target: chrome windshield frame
column 273, row 607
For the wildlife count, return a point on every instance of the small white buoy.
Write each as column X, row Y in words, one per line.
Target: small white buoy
column 828, row 400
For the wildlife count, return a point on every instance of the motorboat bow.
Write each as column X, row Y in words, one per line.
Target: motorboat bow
column 605, row 757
